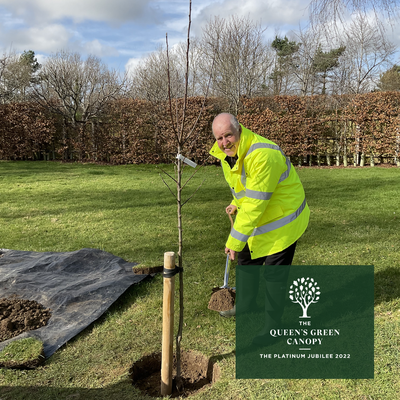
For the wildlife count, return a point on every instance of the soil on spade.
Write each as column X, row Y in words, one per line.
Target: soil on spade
column 20, row 315
column 222, row 299
column 197, row 372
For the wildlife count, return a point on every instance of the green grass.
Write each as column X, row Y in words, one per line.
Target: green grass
column 129, row 212
column 22, row 352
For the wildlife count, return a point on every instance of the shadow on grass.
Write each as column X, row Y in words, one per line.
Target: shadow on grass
column 387, row 285
column 121, row 391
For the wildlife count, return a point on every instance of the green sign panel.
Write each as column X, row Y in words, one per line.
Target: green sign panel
column 317, row 325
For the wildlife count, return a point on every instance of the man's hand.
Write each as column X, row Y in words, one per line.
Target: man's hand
column 232, row 253
column 231, row 209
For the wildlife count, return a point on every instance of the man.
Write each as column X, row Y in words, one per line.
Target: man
column 270, row 207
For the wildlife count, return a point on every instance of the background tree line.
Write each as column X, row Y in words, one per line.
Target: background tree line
column 357, row 58
column 72, row 108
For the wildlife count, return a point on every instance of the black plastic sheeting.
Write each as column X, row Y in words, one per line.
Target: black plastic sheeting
column 77, row 286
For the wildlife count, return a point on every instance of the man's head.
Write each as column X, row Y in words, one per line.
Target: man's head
column 227, row 130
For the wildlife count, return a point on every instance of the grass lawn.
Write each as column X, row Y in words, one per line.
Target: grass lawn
column 129, row 212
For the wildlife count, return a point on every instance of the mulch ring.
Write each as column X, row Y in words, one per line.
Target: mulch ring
column 197, row 372
column 20, row 315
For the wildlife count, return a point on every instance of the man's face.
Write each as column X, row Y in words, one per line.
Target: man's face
column 228, row 141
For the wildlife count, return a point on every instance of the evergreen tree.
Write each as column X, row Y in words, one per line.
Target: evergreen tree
column 324, row 62
column 284, row 64
column 390, row 80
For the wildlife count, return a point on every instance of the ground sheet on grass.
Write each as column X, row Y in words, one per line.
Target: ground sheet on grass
column 75, row 287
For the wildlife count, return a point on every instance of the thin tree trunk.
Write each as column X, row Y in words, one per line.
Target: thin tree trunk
column 345, row 152
column 179, row 382
column 362, row 159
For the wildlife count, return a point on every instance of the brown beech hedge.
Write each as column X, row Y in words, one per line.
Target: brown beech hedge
column 317, row 130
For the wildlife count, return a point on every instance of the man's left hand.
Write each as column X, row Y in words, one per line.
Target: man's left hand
column 232, row 253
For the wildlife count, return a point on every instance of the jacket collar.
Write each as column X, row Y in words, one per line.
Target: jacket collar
column 244, row 145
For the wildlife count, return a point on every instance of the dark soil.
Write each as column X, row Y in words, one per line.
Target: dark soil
column 19, row 315
column 222, row 299
column 197, row 372
column 147, row 270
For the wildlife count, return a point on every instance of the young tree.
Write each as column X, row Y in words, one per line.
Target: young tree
column 182, row 133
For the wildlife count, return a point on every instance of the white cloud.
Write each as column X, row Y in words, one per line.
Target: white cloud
column 45, row 39
column 96, row 48
column 132, row 64
column 115, row 11
column 269, row 12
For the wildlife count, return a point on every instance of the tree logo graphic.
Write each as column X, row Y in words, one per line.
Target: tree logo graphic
column 304, row 291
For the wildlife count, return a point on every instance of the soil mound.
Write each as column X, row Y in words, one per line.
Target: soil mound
column 20, row 315
column 222, row 299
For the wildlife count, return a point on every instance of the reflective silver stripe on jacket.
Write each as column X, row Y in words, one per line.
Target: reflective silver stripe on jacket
column 280, row 222
column 239, row 236
column 243, row 176
column 255, row 194
column 270, row 226
column 257, row 146
column 287, row 172
column 238, row 195
column 251, row 194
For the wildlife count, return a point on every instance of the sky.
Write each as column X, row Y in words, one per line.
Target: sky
column 121, row 32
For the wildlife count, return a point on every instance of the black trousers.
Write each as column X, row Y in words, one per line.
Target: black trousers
column 278, row 263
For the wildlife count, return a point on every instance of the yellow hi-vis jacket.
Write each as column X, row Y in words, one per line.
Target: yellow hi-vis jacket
column 272, row 208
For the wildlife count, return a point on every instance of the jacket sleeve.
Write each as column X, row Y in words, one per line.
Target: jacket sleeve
column 263, row 171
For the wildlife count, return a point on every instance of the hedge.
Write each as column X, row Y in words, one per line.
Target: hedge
column 359, row 130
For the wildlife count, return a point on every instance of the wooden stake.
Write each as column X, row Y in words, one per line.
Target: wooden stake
column 168, row 327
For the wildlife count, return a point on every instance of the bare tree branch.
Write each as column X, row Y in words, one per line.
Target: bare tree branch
column 194, row 192
column 191, row 176
column 322, row 11
column 166, row 173
column 169, row 92
column 165, row 183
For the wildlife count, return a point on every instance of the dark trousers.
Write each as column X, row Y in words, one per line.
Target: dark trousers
column 276, row 270
column 278, row 263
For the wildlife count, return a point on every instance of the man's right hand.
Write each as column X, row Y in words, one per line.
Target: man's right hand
column 231, row 209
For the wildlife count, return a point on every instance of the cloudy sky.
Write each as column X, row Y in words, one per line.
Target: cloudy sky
column 120, row 32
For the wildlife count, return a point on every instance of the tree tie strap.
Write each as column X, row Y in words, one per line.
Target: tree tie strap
column 169, row 273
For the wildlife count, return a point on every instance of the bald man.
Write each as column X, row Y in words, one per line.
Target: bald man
column 270, row 207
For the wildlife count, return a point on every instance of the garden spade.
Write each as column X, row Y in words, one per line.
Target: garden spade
column 226, row 274
column 223, row 297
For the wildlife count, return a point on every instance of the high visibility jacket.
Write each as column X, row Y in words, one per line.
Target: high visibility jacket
column 272, row 208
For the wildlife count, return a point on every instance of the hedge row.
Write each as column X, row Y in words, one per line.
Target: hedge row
column 319, row 129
